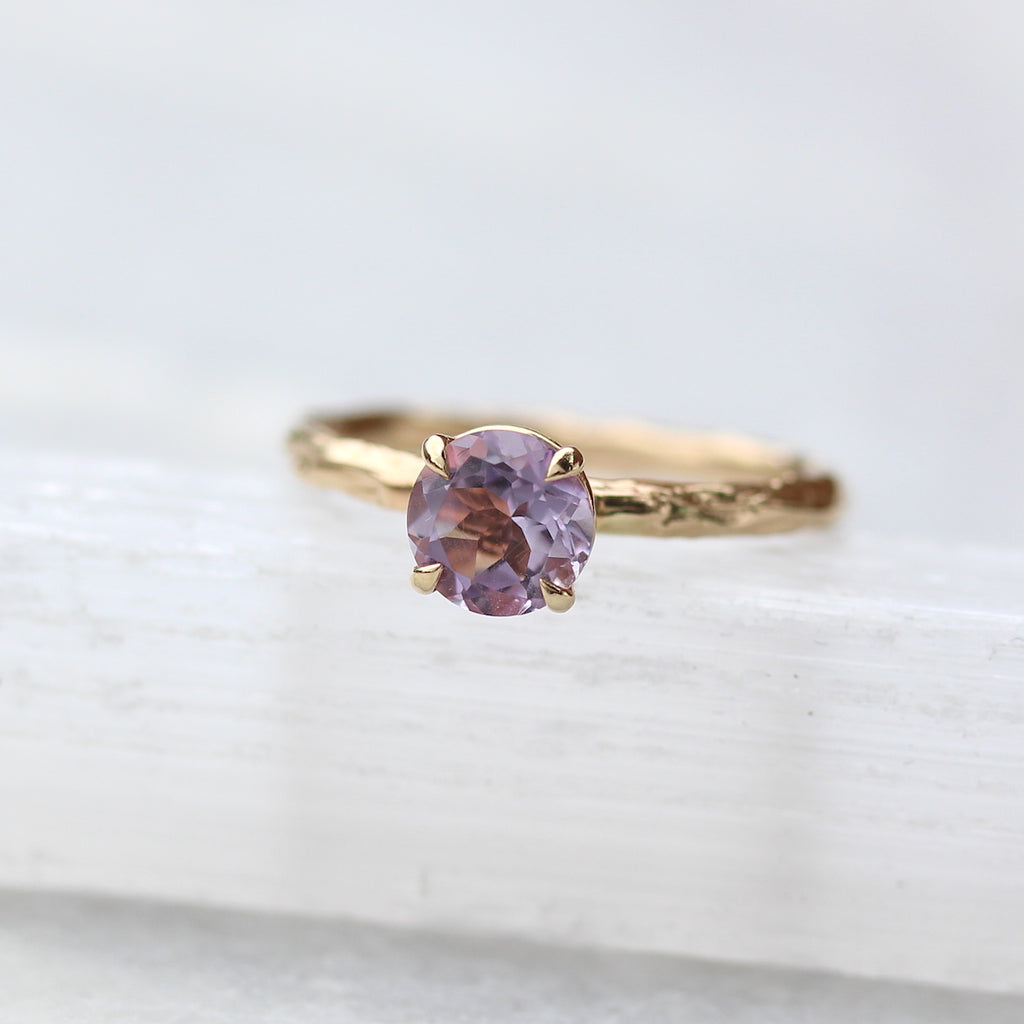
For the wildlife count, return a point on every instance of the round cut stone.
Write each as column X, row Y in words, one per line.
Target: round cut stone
column 496, row 526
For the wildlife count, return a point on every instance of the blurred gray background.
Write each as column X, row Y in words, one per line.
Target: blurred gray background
column 802, row 220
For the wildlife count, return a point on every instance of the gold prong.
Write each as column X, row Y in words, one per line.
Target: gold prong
column 425, row 577
column 433, row 453
column 558, row 599
column 565, row 462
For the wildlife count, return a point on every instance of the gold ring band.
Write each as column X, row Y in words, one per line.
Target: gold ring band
column 502, row 519
column 658, row 482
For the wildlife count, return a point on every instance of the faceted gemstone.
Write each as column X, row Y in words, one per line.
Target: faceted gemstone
column 497, row 526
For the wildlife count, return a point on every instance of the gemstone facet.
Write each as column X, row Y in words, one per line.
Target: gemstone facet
column 496, row 525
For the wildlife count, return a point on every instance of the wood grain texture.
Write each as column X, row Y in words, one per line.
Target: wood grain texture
column 804, row 750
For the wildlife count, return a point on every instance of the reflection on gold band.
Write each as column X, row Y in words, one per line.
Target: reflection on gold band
column 646, row 480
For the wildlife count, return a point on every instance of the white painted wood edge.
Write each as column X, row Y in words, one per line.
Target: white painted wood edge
column 802, row 750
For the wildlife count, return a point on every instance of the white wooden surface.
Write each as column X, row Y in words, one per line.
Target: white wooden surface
column 804, row 750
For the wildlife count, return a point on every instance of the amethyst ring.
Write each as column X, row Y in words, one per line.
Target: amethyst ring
column 502, row 519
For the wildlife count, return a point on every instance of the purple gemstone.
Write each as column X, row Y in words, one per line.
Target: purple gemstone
column 497, row 526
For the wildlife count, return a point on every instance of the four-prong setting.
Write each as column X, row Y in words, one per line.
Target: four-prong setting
column 564, row 463
column 501, row 520
column 433, row 454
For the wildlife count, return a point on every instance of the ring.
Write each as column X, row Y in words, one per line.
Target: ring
column 502, row 518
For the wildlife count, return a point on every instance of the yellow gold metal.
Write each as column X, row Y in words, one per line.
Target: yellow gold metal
column 558, row 599
column 565, row 462
column 425, row 577
column 654, row 482
column 433, row 453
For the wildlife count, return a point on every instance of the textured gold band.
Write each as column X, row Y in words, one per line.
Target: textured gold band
column 657, row 482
